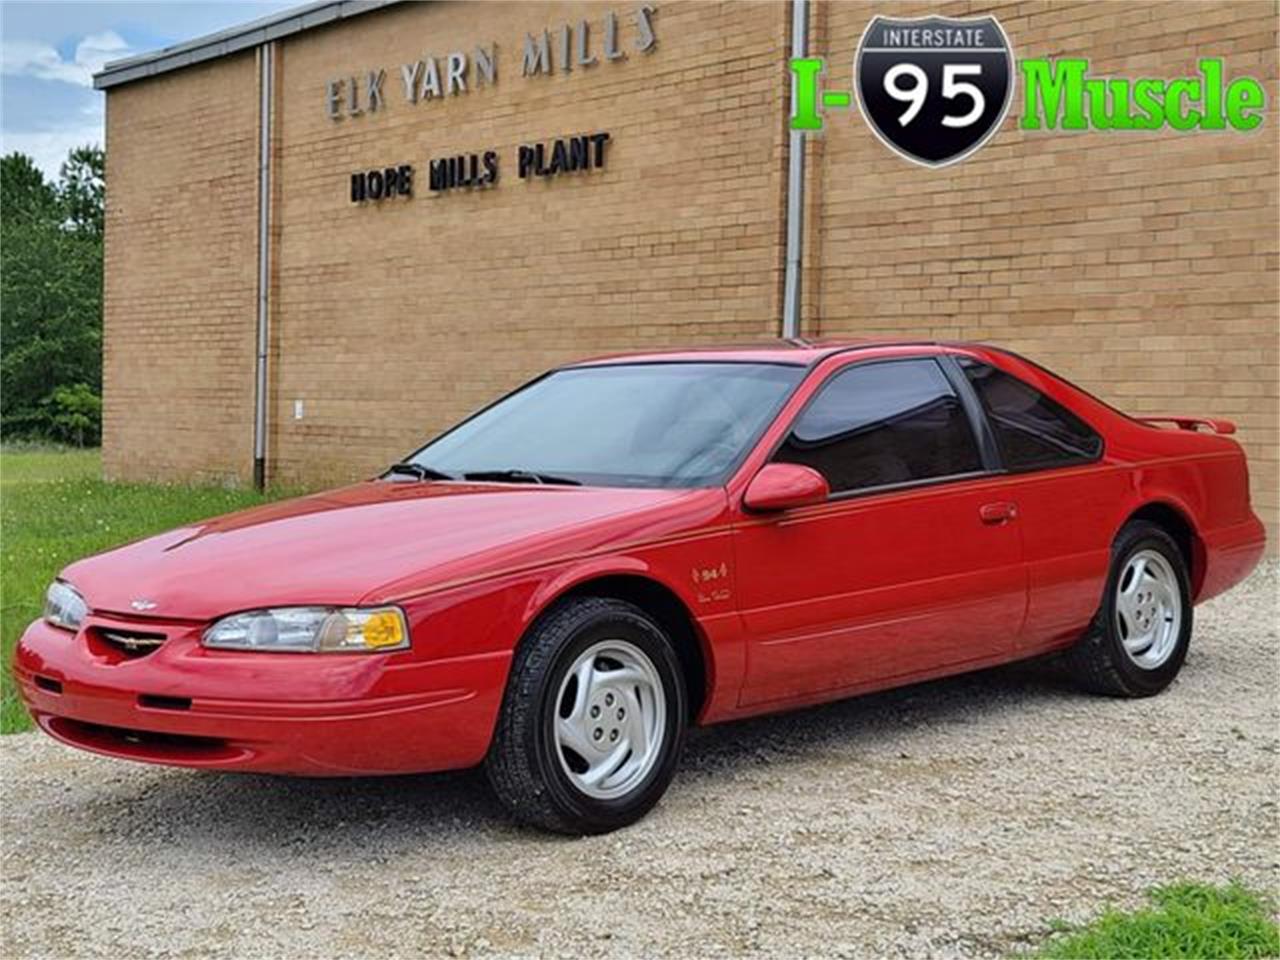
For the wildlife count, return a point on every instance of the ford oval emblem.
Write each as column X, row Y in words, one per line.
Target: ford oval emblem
column 142, row 604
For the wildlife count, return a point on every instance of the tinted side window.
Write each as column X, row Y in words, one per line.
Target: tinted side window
column 1033, row 431
column 884, row 423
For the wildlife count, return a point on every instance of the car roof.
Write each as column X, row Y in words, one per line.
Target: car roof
column 797, row 351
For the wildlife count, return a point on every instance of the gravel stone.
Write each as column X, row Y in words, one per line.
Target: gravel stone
column 950, row 819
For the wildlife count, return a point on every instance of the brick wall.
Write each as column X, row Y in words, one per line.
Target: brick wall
column 181, row 275
column 1143, row 266
column 392, row 320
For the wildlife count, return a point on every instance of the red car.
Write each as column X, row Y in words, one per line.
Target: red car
column 560, row 585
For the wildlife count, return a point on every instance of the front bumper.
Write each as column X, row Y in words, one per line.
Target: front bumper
column 302, row 714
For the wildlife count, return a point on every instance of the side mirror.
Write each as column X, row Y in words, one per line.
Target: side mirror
column 783, row 486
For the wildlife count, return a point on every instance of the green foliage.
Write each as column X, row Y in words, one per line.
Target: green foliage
column 51, row 296
column 1187, row 920
column 25, row 197
column 83, row 189
column 75, row 413
column 54, row 509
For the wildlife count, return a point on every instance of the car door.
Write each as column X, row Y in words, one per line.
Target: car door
column 1066, row 494
column 914, row 563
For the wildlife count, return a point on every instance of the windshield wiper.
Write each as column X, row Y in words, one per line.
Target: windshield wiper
column 417, row 470
column 521, row 476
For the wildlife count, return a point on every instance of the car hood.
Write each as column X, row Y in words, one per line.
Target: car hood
column 371, row 542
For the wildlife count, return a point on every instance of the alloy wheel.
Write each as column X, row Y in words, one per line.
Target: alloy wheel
column 1148, row 609
column 610, row 719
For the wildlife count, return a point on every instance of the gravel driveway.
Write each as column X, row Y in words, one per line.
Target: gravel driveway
column 953, row 818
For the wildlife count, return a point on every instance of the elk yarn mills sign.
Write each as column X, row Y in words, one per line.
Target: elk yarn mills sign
column 562, row 49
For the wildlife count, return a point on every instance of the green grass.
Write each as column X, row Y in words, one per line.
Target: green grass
column 1185, row 920
column 55, row 508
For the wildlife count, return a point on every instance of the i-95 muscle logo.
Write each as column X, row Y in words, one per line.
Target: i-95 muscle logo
column 934, row 89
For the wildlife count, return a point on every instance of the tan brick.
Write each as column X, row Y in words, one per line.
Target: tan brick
column 1168, row 225
column 1142, row 266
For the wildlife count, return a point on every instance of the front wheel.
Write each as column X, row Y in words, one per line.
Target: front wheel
column 1137, row 643
column 593, row 719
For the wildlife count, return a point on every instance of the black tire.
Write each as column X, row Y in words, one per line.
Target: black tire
column 524, row 765
column 1099, row 662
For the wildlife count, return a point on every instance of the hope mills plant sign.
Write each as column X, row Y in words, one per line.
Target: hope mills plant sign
column 478, row 170
column 563, row 49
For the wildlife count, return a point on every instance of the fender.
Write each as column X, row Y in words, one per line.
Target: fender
column 718, row 635
column 1148, row 493
column 568, row 578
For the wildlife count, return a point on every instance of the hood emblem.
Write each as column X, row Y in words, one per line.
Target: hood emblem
column 142, row 604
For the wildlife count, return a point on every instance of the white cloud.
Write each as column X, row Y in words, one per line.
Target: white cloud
column 48, row 148
column 21, row 58
column 97, row 48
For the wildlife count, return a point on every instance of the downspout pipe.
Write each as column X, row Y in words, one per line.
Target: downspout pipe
column 266, row 87
column 795, row 184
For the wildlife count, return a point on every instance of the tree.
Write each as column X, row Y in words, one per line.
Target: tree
column 83, row 189
column 51, row 298
column 25, row 197
column 75, row 413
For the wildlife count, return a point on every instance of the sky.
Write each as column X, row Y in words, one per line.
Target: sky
column 49, row 52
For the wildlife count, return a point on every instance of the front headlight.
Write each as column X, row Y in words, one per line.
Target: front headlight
column 312, row 630
column 63, row 606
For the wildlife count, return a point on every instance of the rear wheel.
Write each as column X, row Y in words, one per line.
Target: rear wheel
column 593, row 719
column 1137, row 643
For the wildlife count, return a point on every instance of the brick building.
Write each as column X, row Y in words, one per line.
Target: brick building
column 1142, row 265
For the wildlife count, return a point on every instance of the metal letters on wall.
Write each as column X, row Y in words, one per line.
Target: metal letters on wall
column 479, row 170
column 563, row 49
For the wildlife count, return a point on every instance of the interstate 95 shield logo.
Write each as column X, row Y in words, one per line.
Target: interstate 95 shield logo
column 934, row 89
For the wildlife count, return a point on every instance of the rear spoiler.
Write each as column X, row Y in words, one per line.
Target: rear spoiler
column 1192, row 423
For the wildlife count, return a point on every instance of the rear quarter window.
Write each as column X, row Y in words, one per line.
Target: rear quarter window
column 1032, row 431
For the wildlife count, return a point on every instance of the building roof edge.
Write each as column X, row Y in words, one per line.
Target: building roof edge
column 244, row 36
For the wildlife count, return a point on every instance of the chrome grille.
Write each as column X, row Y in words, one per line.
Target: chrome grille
column 132, row 643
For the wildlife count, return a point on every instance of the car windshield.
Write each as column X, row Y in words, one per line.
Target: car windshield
column 643, row 425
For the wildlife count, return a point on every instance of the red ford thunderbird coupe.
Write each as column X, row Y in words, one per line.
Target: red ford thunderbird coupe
column 560, row 585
